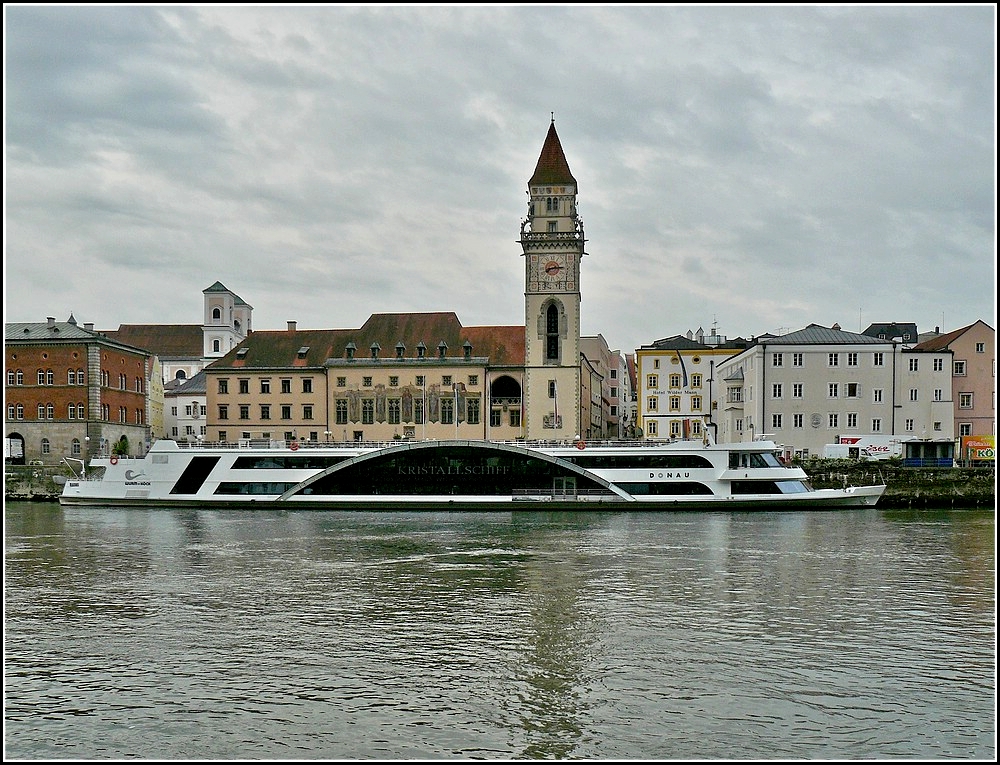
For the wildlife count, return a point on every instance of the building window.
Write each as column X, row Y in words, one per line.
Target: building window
column 980, row 347
column 552, row 333
column 286, row 412
column 833, row 390
column 965, row 401
column 265, row 386
column 852, row 390
column 852, row 359
column 515, row 417
column 652, row 381
column 307, row 412
column 652, row 403
column 776, row 390
column 340, row 410
column 877, row 425
column 286, row 385
column 876, row 395
column 46, row 446
column 878, row 359
column 675, row 381
column 446, row 381
column 908, row 424
column 833, row 359
column 796, row 390
column 914, row 394
column 244, row 411
column 366, row 382
column 223, row 386
column 651, row 428
column 495, row 415
column 937, row 426
column 368, row 411
column 938, row 394
column 965, row 428
column 797, row 420
column 341, row 382
column 958, row 369
column 265, row 411
column 833, row 420
column 223, row 412
column 472, row 411
column 797, row 359
column 447, row 411
column 473, row 381
column 393, row 411
column 244, row 386
column 695, row 403
column 852, row 420
column 393, row 381
column 777, row 359
column 675, row 403
column 938, row 364
column 914, row 365
column 776, row 421
column 695, row 381
column 307, row 385
column 418, row 412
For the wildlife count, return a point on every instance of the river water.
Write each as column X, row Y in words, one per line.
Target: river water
column 857, row 634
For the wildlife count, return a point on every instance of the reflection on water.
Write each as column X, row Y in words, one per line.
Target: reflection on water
column 304, row 635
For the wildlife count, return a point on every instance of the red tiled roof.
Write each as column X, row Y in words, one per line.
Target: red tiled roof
column 164, row 340
column 503, row 345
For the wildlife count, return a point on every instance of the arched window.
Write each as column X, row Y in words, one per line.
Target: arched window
column 216, row 315
column 552, row 333
column 46, row 446
column 216, row 346
column 76, row 450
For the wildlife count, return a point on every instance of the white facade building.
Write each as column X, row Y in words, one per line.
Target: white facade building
column 806, row 388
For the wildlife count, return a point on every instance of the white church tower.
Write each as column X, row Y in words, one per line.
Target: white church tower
column 226, row 321
column 553, row 244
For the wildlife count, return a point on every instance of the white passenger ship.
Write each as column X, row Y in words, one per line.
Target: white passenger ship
column 458, row 475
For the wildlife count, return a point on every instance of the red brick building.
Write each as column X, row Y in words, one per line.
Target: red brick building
column 72, row 392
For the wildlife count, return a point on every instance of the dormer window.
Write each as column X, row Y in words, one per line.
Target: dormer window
column 421, row 350
column 303, row 351
column 400, row 349
column 467, row 350
column 242, row 353
column 375, row 348
column 442, row 349
column 350, row 349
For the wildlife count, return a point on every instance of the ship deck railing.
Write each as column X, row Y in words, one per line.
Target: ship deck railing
column 257, row 443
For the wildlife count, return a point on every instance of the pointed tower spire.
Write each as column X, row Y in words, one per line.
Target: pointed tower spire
column 552, row 167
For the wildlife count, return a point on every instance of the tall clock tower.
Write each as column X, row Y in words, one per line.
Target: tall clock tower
column 553, row 244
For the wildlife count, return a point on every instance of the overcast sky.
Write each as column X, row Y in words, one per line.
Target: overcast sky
column 757, row 168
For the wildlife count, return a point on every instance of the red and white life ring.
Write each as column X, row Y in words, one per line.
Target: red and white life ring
column 114, row 459
column 581, row 444
column 294, row 446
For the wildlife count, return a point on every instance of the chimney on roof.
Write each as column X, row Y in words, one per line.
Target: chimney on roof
column 89, row 326
column 835, row 326
column 52, row 320
column 291, row 326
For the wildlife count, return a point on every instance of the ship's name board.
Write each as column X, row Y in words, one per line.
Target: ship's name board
column 453, row 470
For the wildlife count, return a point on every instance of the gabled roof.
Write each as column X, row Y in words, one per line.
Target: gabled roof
column 552, row 167
column 942, row 342
column 814, row 334
column 675, row 343
column 503, row 345
column 168, row 341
